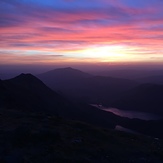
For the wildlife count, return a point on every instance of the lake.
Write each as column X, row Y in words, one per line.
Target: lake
column 129, row 113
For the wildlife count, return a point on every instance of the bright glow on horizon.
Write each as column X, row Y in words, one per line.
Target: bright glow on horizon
column 53, row 32
column 106, row 53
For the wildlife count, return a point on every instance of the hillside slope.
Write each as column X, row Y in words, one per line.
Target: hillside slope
column 26, row 92
column 28, row 137
column 29, row 93
column 146, row 97
column 80, row 86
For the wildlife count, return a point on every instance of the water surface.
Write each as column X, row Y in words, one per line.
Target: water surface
column 129, row 113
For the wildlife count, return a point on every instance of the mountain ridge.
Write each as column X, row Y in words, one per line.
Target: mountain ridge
column 64, row 71
column 86, row 88
column 21, row 93
column 27, row 92
column 145, row 97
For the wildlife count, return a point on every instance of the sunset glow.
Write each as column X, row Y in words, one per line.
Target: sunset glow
column 70, row 31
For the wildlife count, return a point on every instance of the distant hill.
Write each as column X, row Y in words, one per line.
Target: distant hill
column 70, row 72
column 65, row 80
column 155, row 79
column 81, row 86
column 130, row 73
column 62, row 77
column 146, row 97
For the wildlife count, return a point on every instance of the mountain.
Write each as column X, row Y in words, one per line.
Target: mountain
column 29, row 93
column 80, row 86
column 66, row 72
column 130, row 73
column 63, row 77
column 107, row 89
column 145, row 97
column 25, row 94
column 155, row 79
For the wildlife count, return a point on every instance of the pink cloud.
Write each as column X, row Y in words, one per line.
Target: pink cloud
column 75, row 30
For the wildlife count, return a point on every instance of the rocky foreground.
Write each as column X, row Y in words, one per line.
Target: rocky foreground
column 34, row 137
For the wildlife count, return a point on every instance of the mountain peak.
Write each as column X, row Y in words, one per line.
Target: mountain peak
column 64, row 74
column 68, row 69
column 26, row 78
column 25, row 75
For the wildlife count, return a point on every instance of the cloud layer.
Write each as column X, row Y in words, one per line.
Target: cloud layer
column 70, row 29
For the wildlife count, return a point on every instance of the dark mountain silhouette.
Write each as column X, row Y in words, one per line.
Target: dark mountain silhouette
column 81, row 86
column 156, row 79
column 146, row 97
column 27, row 93
column 67, row 81
column 66, row 72
column 107, row 89
column 63, row 77
column 130, row 73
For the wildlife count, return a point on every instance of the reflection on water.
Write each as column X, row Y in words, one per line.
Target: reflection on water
column 129, row 113
column 133, row 114
column 120, row 128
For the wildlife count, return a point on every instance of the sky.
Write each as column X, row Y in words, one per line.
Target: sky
column 55, row 32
